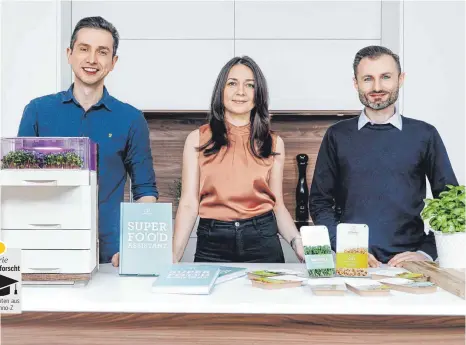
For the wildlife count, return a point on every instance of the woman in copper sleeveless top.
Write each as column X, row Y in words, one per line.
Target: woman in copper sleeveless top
column 232, row 176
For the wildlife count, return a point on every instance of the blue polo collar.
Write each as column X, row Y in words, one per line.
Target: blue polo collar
column 104, row 101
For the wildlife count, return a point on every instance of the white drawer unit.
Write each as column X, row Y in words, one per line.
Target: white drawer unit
column 48, row 239
column 51, row 215
column 44, row 178
column 58, row 261
column 46, row 207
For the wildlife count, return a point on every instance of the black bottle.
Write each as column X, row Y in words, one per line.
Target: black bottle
column 302, row 191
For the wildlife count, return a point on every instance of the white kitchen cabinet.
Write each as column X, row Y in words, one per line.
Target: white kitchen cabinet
column 58, row 261
column 46, row 207
column 48, row 239
column 308, row 19
column 162, row 19
column 55, row 226
column 46, row 177
column 168, row 74
column 309, row 74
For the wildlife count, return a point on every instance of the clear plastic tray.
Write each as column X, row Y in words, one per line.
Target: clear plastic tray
column 77, row 153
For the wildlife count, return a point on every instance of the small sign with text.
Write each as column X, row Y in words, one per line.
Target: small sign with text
column 10, row 280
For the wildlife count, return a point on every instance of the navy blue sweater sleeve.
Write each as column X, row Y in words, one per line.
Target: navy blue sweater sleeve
column 28, row 125
column 439, row 173
column 323, row 188
column 438, row 166
column 139, row 162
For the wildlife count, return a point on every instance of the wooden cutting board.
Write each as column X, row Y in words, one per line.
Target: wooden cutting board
column 449, row 279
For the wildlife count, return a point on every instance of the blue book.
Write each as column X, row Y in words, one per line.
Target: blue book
column 187, row 279
column 229, row 273
column 146, row 233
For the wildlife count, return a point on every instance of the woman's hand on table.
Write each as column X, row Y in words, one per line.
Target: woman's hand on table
column 116, row 260
column 297, row 246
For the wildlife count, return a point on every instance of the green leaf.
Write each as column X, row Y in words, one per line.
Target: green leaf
column 446, row 213
column 428, row 213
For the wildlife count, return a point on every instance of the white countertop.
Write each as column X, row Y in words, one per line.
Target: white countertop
column 109, row 292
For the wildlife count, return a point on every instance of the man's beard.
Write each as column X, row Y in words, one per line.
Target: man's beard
column 392, row 98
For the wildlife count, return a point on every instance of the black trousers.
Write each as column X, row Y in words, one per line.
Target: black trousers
column 247, row 240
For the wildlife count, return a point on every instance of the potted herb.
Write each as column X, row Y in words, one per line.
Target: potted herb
column 445, row 217
column 22, row 159
column 66, row 160
column 73, row 161
column 50, row 161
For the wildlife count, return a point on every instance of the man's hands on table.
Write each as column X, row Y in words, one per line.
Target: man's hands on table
column 398, row 259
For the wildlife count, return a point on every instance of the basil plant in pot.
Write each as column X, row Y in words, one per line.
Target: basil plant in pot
column 445, row 217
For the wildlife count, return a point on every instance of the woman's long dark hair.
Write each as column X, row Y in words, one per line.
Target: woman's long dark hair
column 260, row 133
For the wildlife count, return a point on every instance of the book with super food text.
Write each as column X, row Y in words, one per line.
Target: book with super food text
column 187, row 279
column 228, row 273
column 145, row 238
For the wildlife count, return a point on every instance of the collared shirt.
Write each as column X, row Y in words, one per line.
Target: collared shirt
column 395, row 120
column 122, row 135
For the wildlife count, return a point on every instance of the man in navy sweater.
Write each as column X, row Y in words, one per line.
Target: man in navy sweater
column 372, row 169
column 86, row 109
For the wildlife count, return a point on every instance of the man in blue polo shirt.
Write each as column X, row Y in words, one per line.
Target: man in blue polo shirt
column 87, row 110
column 372, row 169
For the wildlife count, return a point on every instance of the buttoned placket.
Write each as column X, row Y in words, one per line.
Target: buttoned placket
column 84, row 120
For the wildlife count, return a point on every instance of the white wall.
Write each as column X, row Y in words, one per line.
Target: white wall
column 434, row 62
column 29, row 51
column 1, row 68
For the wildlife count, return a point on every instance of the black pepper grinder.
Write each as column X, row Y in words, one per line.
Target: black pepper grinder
column 302, row 191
